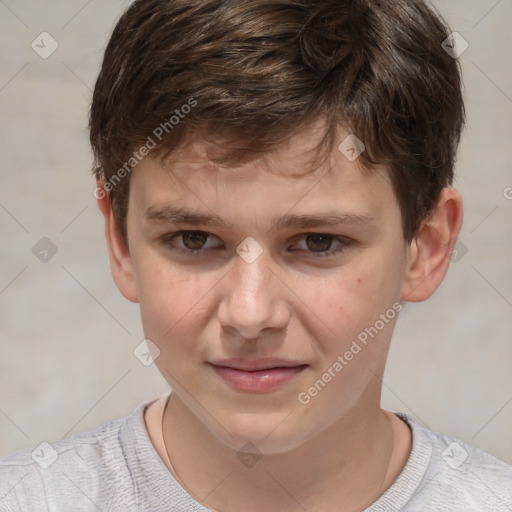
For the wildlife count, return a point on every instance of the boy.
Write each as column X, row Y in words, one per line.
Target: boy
column 233, row 140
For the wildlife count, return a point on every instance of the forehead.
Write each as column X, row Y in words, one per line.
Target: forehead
column 299, row 155
column 290, row 178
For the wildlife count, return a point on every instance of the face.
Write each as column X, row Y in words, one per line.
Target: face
column 272, row 298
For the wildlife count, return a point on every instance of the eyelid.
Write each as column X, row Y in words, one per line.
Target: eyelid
column 342, row 241
column 167, row 238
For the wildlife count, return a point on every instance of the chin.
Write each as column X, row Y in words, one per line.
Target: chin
column 261, row 433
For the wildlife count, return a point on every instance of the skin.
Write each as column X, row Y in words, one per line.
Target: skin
column 340, row 451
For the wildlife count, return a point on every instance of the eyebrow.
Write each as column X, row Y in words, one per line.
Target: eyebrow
column 171, row 214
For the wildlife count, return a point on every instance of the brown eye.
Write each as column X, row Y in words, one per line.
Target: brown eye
column 191, row 243
column 319, row 243
column 194, row 240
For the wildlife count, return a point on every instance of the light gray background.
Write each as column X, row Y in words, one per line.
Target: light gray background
column 66, row 333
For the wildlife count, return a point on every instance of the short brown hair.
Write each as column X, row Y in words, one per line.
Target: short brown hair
column 258, row 71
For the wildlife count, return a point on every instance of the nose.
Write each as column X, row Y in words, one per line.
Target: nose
column 253, row 299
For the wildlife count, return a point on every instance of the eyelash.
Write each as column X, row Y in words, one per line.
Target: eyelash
column 344, row 243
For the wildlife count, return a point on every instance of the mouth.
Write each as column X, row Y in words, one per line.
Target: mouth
column 257, row 376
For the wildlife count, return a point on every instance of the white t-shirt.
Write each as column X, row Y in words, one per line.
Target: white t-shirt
column 116, row 468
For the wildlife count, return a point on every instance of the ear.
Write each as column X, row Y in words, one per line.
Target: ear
column 121, row 264
column 429, row 254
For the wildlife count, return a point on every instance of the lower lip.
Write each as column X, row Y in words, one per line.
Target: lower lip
column 258, row 381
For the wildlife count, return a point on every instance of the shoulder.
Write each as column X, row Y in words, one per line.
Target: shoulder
column 77, row 470
column 458, row 476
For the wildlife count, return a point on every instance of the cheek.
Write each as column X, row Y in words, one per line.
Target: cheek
column 341, row 300
column 170, row 303
column 170, row 298
column 348, row 306
column 172, row 315
column 359, row 309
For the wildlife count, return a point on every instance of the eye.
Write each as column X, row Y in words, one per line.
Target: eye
column 319, row 244
column 193, row 241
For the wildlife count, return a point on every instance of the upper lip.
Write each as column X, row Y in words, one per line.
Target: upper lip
column 256, row 364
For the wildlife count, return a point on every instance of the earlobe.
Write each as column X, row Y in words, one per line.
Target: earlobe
column 120, row 259
column 429, row 254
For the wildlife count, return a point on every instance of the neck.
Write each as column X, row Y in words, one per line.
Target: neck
column 351, row 463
